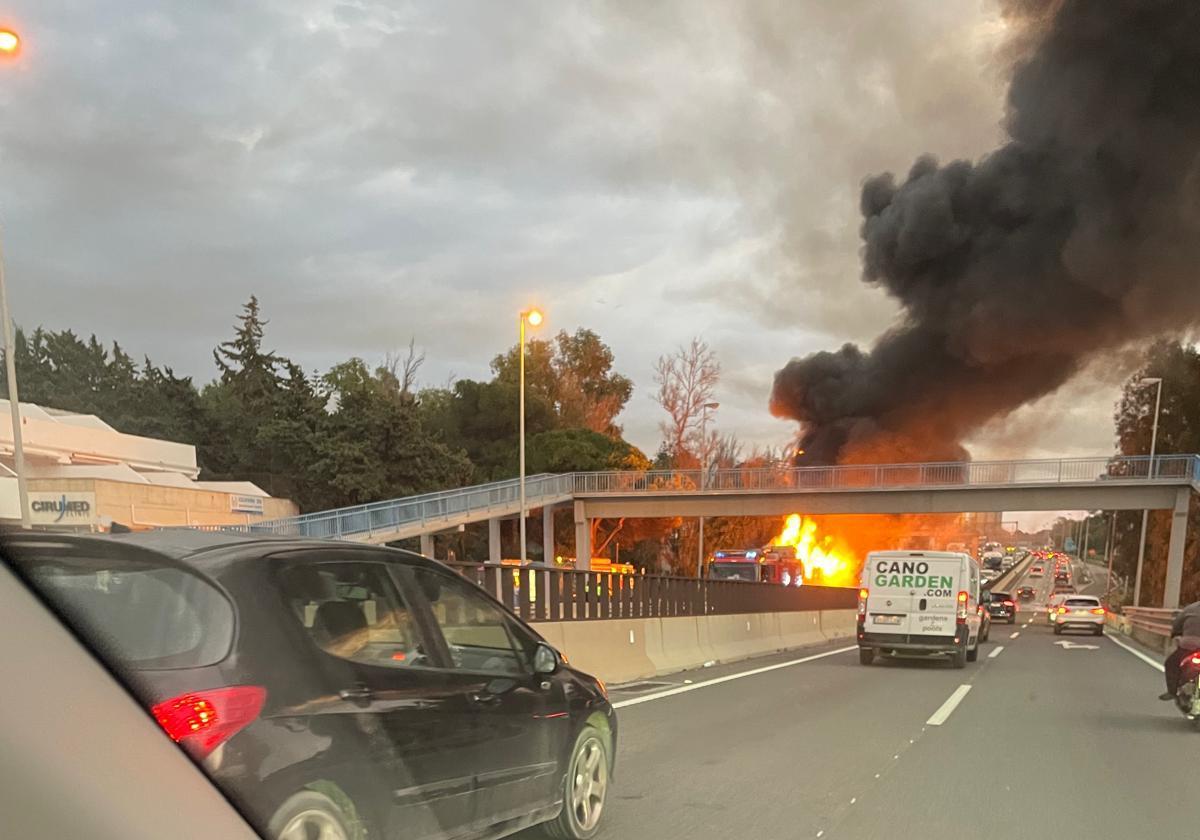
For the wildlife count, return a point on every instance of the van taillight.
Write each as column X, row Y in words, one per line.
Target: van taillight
column 863, row 594
column 200, row 721
column 962, row 607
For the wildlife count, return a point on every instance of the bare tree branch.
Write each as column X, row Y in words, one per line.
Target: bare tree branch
column 686, row 380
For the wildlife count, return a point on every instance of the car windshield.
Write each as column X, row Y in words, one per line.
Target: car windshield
column 397, row 396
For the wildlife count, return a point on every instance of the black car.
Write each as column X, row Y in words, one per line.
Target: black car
column 1002, row 607
column 1026, row 593
column 334, row 690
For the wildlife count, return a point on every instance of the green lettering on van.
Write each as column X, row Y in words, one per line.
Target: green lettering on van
column 881, row 581
column 947, row 583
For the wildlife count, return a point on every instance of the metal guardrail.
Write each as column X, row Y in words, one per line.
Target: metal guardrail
column 434, row 508
column 1152, row 620
column 540, row 594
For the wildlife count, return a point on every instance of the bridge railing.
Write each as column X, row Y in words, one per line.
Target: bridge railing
column 393, row 514
column 436, row 508
column 542, row 594
column 895, row 476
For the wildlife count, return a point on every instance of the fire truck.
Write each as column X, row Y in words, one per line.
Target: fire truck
column 774, row 564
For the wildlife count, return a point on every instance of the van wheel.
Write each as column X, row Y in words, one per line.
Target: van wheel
column 866, row 656
column 986, row 634
column 959, row 659
column 309, row 814
column 973, row 653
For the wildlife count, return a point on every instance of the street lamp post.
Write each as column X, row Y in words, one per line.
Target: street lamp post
column 14, row 403
column 703, row 476
column 1137, row 583
column 533, row 317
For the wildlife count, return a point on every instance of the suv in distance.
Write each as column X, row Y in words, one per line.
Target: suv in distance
column 334, row 690
column 1002, row 607
column 1082, row 612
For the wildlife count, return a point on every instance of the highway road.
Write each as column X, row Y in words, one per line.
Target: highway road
column 1045, row 740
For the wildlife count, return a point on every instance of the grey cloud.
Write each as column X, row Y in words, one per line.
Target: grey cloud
column 378, row 170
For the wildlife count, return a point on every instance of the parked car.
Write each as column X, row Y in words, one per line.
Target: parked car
column 338, row 691
column 1002, row 607
column 1082, row 612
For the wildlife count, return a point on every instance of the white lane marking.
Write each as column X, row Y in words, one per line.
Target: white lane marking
column 683, row 689
column 1149, row 660
column 1014, row 635
column 995, row 652
column 939, row 717
column 1066, row 645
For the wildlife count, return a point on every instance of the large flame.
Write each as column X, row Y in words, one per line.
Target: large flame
column 827, row 559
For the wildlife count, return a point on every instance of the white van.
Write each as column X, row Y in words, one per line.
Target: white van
column 919, row 603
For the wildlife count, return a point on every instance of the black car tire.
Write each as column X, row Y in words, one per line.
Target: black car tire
column 1058, row 629
column 866, row 656
column 1012, row 619
column 567, row 825
column 309, row 814
column 1099, row 631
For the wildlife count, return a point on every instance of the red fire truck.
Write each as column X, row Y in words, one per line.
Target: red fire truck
column 773, row 564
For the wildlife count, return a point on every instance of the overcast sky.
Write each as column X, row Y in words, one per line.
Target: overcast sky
column 375, row 171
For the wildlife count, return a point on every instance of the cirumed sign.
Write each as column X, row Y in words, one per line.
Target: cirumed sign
column 70, row 508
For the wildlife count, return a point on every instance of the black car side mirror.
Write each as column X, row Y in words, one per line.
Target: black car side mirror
column 545, row 659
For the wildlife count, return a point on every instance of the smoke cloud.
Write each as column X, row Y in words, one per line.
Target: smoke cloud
column 1078, row 236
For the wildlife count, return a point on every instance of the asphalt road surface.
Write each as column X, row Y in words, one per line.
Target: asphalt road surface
column 1045, row 740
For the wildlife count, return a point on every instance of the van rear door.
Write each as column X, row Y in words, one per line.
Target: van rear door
column 912, row 594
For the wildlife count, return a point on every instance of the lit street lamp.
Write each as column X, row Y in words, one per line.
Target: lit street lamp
column 703, row 475
column 533, row 317
column 1137, row 581
column 10, row 42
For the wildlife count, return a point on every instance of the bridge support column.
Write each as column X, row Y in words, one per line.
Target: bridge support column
column 427, row 545
column 1179, row 522
column 583, row 538
column 494, row 541
column 548, row 534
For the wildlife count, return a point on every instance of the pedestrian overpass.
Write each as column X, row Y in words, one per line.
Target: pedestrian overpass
column 1164, row 482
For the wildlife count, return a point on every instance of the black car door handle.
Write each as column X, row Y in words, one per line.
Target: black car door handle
column 483, row 698
column 359, row 694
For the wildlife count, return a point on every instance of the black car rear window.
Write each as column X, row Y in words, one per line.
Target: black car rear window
column 1001, row 596
column 142, row 614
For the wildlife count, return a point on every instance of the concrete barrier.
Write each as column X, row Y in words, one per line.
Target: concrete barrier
column 799, row 629
column 623, row 650
column 839, row 624
column 612, row 649
column 680, row 639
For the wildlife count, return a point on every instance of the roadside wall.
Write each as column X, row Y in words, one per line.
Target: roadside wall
column 622, row 650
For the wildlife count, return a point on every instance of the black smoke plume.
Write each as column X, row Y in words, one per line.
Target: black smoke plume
column 1079, row 235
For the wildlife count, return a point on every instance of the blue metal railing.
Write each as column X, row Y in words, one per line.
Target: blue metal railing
column 431, row 508
column 502, row 496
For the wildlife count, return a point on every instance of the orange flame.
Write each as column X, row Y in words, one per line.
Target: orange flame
column 827, row 559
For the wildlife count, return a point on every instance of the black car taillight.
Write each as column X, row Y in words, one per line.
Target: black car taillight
column 200, row 721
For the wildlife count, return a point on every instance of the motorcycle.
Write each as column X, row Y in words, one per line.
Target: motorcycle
column 1187, row 696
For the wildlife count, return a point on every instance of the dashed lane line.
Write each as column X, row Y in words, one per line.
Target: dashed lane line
column 943, row 713
column 995, row 651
